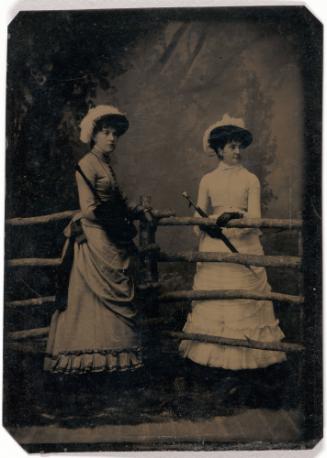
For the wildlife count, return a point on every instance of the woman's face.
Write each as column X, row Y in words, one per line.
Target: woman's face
column 106, row 139
column 231, row 153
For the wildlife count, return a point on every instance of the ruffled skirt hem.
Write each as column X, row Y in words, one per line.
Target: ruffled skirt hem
column 234, row 358
column 86, row 361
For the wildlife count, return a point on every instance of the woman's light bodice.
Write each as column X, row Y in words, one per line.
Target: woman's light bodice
column 229, row 187
column 101, row 177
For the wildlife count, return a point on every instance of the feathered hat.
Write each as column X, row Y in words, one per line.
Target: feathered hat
column 226, row 129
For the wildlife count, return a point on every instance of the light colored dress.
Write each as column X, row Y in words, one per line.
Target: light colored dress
column 98, row 330
column 231, row 188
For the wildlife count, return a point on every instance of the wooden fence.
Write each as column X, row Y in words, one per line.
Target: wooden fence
column 150, row 255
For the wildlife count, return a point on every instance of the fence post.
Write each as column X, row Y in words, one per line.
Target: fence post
column 148, row 276
column 147, row 236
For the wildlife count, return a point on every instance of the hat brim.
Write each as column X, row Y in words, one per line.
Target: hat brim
column 224, row 134
column 117, row 121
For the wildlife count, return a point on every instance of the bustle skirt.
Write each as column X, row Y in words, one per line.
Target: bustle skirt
column 98, row 330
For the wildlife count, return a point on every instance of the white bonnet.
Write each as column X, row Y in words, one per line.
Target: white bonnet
column 94, row 114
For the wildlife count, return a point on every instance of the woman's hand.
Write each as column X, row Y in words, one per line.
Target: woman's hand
column 212, row 231
column 139, row 211
column 225, row 217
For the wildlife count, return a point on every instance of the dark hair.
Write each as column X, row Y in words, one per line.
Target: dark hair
column 217, row 151
column 118, row 122
column 220, row 136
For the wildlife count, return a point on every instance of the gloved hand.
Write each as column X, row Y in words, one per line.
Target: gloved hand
column 212, row 231
column 225, row 217
column 137, row 211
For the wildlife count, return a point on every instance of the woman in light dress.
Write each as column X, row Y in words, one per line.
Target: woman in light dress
column 231, row 188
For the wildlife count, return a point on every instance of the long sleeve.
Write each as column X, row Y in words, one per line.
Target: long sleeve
column 254, row 200
column 202, row 202
column 87, row 199
column 203, row 196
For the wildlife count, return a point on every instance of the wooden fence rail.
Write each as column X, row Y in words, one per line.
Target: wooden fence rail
column 168, row 218
column 65, row 215
column 31, row 302
column 244, row 259
column 35, row 333
column 39, row 333
column 259, row 223
column 248, row 343
column 34, row 262
column 43, row 219
column 186, row 256
column 150, row 255
column 176, row 296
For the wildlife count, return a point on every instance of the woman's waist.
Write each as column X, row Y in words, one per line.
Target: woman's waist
column 244, row 240
column 218, row 210
column 86, row 222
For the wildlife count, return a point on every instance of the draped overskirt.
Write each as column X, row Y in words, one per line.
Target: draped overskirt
column 98, row 329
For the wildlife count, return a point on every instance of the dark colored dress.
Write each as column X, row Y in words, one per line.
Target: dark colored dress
column 98, row 330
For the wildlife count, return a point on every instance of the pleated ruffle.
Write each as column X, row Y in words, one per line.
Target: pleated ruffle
column 234, row 358
column 85, row 361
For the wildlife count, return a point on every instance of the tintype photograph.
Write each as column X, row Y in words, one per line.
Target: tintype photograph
column 163, row 229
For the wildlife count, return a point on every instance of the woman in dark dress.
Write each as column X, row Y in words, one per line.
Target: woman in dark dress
column 97, row 331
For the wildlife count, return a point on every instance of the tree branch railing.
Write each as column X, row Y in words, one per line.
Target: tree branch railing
column 234, row 258
column 43, row 219
column 293, row 262
column 245, row 343
column 258, row 223
column 34, row 262
column 168, row 218
column 177, row 296
column 39, row 333
column 150, row 254
column 66, row 215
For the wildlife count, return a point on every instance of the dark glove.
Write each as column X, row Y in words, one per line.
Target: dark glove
column 212, row 231
column 225, row 217
column 138, row 211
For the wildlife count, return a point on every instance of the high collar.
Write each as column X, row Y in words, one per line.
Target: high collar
column 223, row 166
column 101, row 154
